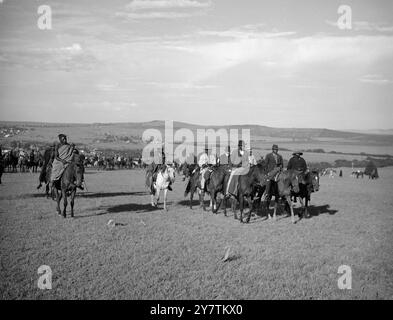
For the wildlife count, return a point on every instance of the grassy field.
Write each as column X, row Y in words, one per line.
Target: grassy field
column 151, row 254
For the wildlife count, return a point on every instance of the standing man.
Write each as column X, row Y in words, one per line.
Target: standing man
column 63, row 156
column 274, row 164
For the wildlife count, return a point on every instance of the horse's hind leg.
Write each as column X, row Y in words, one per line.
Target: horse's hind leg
column 58, row 199
column 72, row 202
column 64, row 192
column 241, row 207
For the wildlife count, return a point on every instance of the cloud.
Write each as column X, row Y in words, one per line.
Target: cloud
column 365, row 26
column 154, row 15
column 165, row 4
column 376, row 79
column 68, row 58
column 164, row 9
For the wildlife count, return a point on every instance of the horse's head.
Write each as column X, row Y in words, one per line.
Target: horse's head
column 314, row 175
column 171, row 173
column 294, row 181
column 78, row 160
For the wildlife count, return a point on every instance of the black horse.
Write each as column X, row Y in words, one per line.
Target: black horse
column 67, row 184
column 247, row 189
column 281, row 188
column 46, row 168
column 307, row 184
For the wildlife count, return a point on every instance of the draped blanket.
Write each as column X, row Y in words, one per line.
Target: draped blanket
column 65, row 153
column 234, row 179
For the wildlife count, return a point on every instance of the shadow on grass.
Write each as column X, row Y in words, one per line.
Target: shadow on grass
column 111, row 194
column 315, row 211
column 120, row 208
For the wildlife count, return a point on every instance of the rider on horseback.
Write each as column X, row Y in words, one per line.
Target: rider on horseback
column 298, row 164
column 63, row 156
column 205, row 163
column 274, row 164
column 156, row 167
column 240, row 165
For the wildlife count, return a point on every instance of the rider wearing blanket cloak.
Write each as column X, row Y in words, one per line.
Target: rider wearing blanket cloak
column 63, row 156
column 240, row 166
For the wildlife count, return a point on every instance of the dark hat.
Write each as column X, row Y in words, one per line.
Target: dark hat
column 297, row 152
column 275, row 147
column 241, row 143
column 62, row 135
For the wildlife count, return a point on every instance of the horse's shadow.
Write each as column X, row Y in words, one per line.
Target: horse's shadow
column 111, row 194
column 315, row 211
column 120, row 208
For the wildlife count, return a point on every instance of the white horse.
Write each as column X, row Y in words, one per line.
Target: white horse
column 164, row 179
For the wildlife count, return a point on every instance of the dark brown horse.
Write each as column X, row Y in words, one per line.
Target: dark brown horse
column 246, row 187
column 66, row 185
column 308, row 184
column 46, row 168
column 216, row 185
column 281, row 188
column 193, row 172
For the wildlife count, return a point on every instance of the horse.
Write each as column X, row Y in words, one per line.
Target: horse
column 11, row 160
column 216, row 184
column 1, row 165
column 23, row 162
column 194, row 173
column 307, row 185
column 46, row 169
column 282, row 187
column 65, row 186
column 246, row 189
column 165, row 176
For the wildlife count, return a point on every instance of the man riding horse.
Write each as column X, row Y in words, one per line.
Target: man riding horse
column 156, row 167
column 274, row 164
column 239, row 166
column 63, row 157
column 205, row 163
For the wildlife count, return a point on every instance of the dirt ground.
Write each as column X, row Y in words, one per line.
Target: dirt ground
column 152, row 254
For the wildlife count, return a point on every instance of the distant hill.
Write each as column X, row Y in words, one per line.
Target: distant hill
column 128, row 135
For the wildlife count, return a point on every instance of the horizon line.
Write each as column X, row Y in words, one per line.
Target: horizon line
column 352, row 130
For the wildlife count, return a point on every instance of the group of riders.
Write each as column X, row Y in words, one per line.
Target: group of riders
column 239, row 161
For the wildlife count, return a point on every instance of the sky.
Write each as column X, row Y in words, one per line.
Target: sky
column 274, row 63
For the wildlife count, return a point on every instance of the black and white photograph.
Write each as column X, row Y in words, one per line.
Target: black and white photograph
column 214, row 151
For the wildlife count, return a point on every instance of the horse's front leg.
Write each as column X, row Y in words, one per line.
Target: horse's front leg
column 58, row 199
column 275, row 208
column 288, row 198
column 241, row 208
column 191, row 198
column 306, row 214
column 251, row 205
column 165, row 194
column 72, row 202
column 65, row 203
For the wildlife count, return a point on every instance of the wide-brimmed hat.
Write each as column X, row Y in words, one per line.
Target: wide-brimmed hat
column 62, row 135
column 297, row 152
column 274, row 147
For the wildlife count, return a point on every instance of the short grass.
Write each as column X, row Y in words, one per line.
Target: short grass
column 151, row 254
